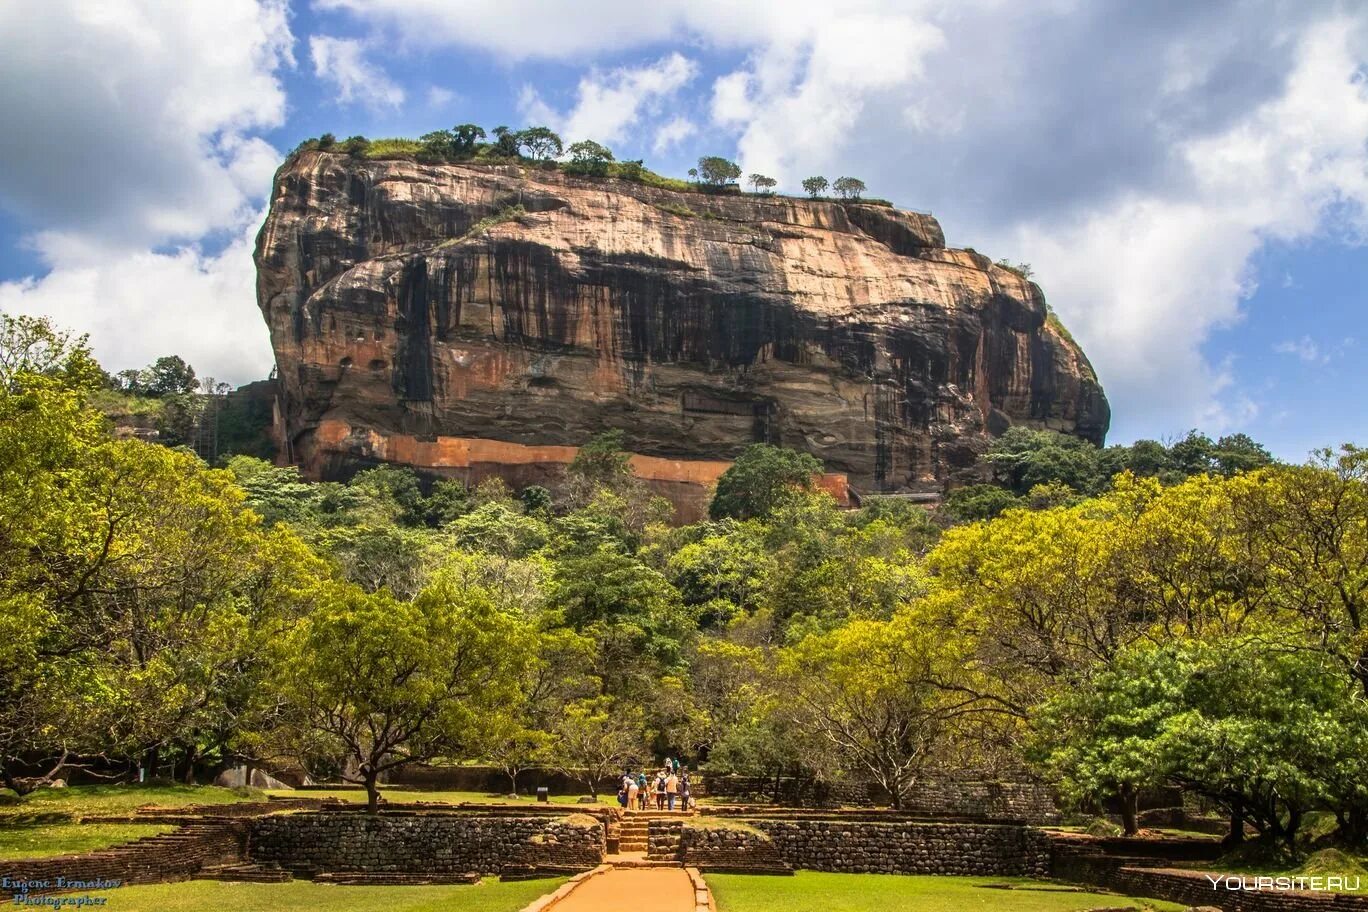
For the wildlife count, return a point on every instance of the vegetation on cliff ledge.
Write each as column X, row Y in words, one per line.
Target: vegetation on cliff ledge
column 540, row 147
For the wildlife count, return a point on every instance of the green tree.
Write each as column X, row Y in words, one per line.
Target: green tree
column 815, row 186
column 170, row 375
column 597, row 738
column 760, row 183
column 540, row 142
column 848, row 187
column 716, row 171
column 588, row 157
column 876, row 690
column 383, row 683
column 465, row 137
column 506, row 142
column 759, row 479
column 974, row 502
column 1099, row 741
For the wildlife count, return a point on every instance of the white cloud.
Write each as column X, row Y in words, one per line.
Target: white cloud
column 439, row 97
column 607, row 104
column 139, row 306
column 672, row 133
column 1304, row 348
column 342, row 64
column 128, row 139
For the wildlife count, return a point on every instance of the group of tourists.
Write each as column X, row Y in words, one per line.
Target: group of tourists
column 669, row 785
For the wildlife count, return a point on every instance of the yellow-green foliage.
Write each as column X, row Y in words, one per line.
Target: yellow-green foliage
column 1053, row 321
column 394, row 147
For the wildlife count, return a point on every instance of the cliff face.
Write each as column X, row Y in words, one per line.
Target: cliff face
column 481, row 320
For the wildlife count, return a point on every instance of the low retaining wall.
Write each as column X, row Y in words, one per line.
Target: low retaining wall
column 489, row 780
column 955, row 797
column 1195, row 888
column 425, row 843
column 178, row 855
column 908, row 847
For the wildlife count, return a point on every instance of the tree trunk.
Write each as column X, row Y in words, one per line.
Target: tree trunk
column 19, row 788
column 1237, row 825
column 1130, row 804
column 513, row 780
column 370, row 777
column 1294, row 819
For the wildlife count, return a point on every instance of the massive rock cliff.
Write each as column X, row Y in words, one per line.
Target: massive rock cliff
column 475, row 320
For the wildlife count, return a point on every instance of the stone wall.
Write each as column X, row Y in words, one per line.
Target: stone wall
column 490, row 780
column 172, row 856
column 1195, row 888
column 908, row 847
column 741, row 850
column 425, row 842
column 1032, row 802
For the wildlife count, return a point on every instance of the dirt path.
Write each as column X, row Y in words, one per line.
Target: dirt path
column 633, row 890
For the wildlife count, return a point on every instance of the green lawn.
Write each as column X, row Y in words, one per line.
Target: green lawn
column 68, row 804
column 205, row 895
column 44, row 840
column 815, row 891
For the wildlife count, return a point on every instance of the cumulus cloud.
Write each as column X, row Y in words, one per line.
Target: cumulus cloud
column 608, row 103
column 341, row 63
column 142, row 305
column 127, row 120
column 130, row 138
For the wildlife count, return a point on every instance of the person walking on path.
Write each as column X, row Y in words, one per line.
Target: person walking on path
column 671, row 789
column 632, row 789
column 660, row 790
column 685, row 791
column 642, row 791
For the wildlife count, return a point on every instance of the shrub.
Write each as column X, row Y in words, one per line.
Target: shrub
column 355, row 146
column 394, row 147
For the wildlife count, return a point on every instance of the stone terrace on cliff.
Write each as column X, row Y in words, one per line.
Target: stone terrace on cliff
column 478, row 320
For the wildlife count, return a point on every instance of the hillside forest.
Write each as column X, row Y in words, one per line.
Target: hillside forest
column 1191, row 613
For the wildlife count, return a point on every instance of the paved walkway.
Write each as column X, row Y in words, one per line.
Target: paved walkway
column 633, row 890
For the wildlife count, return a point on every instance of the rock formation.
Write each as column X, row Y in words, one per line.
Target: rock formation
column 477, row 319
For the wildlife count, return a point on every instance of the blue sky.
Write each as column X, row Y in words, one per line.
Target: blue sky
column 1189, row 181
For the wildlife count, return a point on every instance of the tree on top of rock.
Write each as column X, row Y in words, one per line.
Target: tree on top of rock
column 540, row 142
column 815, row 186
column 848, row 187
column 588, row 157
column 717, row 171
column 506, row 141
column 761, row 183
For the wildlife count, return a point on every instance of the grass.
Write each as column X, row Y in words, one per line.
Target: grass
column 46, row 840
column 47, row 822
column 199, row 895
column 676, row 209
column 397, row 147
column 68, row 805
column 815, row 891
column 1255, row 859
